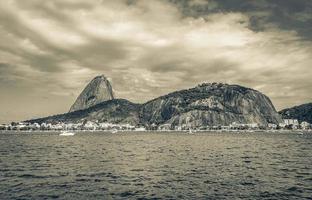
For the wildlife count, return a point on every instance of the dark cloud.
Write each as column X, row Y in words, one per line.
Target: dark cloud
column 285, row 14
column 50, row 50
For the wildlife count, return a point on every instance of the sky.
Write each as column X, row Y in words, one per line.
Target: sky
column 49, row 50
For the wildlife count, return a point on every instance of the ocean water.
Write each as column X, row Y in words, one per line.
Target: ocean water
column 156, row 166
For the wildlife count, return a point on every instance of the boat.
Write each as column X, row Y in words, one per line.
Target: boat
column 66, row 133
column 114, row 131
column 140, row 129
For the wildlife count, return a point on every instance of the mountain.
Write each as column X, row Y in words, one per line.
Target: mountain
column 210, row 104
column 113, row 111
column 97, row 91
column 206, row 104
column 302, row 113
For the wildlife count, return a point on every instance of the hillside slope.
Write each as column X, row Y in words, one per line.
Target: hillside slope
column 302, row 113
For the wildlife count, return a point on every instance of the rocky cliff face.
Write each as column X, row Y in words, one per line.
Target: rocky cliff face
column 302, row 113
column 210, row 104
column 207, row 104
column 97, row 91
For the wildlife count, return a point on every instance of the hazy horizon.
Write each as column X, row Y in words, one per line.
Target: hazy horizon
column 50, row 50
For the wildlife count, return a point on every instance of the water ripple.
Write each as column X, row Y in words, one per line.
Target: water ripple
column 156, row 166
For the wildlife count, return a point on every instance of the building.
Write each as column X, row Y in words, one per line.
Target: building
column 89, row 125
column 140, row 129
column 272, row 126
column 305, row 125
column 164, row 127
column 237, row 125
column 293, row 122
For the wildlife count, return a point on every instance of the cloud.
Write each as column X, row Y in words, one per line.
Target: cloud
column 50, row 50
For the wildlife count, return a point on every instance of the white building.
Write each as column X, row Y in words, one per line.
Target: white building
column 140, row 129
column 59, row 126
column 237, row 125
column 293, row 122
column 305, row 125
column 272, row 126
column 90, row 125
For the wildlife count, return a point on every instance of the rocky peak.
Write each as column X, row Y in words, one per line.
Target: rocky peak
column 97, row 91
column 211, row 104
column 212, row 85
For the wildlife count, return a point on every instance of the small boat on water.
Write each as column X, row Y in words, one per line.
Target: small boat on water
column 66, row 133
column 114, row 131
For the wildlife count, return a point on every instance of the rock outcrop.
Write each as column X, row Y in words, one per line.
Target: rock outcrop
column 302, row 113
column 97, row 91
column 210, row 104
column 207, row 104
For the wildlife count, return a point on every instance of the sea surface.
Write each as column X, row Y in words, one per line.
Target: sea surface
column 156, row 166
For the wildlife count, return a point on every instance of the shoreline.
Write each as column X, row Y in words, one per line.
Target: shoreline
column 161, row 131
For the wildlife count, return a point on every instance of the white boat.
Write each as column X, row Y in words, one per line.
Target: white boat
column 114, row 131
column 140, row 129
column 66, row 133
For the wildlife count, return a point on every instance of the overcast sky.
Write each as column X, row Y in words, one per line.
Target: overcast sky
column 49, row 50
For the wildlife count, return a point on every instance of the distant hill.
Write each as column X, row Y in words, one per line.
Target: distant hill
column 211, row 104
column 206, row 104
column 302, row 113
column 113, row 111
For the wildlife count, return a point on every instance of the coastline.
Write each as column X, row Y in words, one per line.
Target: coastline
column 186, row 132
